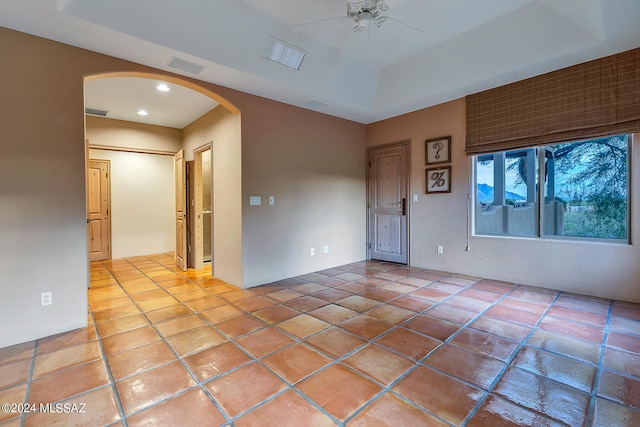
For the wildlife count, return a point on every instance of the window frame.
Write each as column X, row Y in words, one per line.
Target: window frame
column 541, row 198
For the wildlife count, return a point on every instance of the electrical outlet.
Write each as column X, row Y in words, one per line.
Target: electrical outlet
column 45, row 298
column 325, row 249
column 313, row 251
column 440, row 249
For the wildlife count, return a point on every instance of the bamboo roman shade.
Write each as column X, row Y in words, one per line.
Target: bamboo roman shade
column 596, row 98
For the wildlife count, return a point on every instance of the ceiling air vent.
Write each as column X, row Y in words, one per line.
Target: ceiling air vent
column 95, row 112
column 315, row 104
column 184, row 65
column 284, row 53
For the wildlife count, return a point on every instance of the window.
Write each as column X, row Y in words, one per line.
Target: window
column 585, row 190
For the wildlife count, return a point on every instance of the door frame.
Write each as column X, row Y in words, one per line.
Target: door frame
column 197, row 204
column 407, row 145
column 180, row 216
column 200, row 87
column 108, row 214
column 189, row 209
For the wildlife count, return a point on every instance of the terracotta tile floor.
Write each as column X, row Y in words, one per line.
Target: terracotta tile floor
column 365, row 344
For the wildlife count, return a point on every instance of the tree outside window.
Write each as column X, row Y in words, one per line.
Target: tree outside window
column 585, row 191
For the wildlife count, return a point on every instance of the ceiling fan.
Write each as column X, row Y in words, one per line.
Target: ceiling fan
column 364, row 14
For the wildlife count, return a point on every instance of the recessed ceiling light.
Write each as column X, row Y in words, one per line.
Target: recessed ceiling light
column 163, row 87
column 142, row 113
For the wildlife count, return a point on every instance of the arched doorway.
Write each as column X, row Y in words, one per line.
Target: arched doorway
column 172, row 141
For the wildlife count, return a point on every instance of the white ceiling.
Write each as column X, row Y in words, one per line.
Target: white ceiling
column 465, row 46
column 123, row 97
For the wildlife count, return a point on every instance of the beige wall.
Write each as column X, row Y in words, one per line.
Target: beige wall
column 319, row 199
column 311, row 163
column 105, row 132
column 222, row 129
column 601, row 269
column 314, row 166
column 42, row 207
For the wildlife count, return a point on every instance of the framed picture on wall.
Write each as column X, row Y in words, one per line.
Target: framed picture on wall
column 438, row 150
column 438, row 180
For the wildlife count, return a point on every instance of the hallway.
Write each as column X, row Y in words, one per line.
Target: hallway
column 363, row 344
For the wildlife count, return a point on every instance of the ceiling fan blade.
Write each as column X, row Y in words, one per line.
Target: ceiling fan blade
column 302, row 27
column 349, row 45
column 403, row 23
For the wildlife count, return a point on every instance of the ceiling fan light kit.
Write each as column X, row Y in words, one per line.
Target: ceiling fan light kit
column 366, row 12
column 362, row 13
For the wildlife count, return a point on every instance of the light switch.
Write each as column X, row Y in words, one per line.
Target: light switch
column 272, row 200
column 255, row 200
column 415, row 197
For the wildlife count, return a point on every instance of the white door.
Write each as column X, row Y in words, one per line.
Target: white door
column 387, row 204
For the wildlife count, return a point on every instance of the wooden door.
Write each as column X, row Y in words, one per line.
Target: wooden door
column 387, row 204
column 98, row 210
column 196, row 201
column 190, row 207
column 181, row 224
column 201, row 206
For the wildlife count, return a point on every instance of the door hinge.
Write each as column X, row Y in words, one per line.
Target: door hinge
column 369, row 163
column 368, row 245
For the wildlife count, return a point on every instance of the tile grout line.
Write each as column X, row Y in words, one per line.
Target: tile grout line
column 296, row 339
column 177, row 357
column 77, row 395
column 508, row 363
column 106, row 360
column 257, row 360
column 253, row 360
column 519, row 348
column 388, row 389
column 144, row 313
column 112, row 381
column 374, row 341
column 200, row 384
column 446, row 341
column 420, row 362
column 27, row 396
column 596, row 380
column 334, row 360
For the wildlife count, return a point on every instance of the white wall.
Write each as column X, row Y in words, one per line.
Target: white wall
column 142, row 202
column 142, row 185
